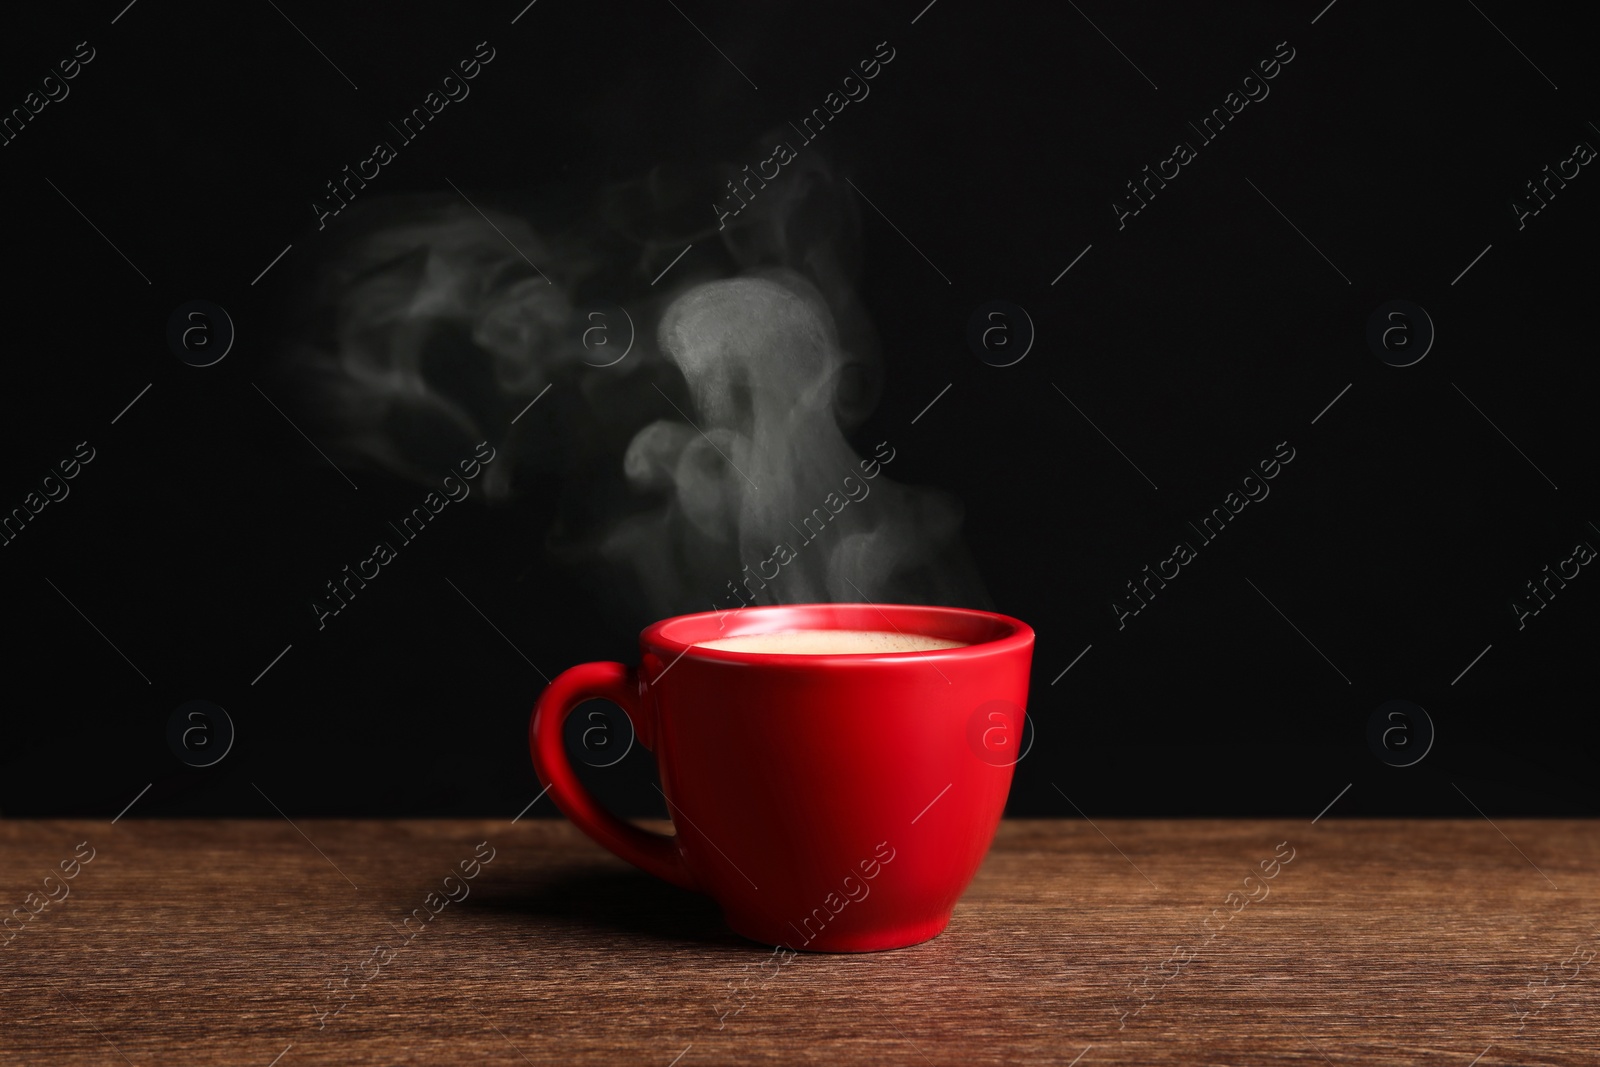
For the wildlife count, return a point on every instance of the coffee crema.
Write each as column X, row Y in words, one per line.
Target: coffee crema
column 829, row 642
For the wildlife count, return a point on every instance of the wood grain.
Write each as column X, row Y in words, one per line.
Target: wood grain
column 211, row 942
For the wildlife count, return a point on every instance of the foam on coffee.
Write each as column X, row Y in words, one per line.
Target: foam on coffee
column 830, row 642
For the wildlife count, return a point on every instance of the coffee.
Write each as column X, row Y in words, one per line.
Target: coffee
column 830, row 642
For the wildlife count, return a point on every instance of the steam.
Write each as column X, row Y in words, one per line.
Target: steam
column 717, row 450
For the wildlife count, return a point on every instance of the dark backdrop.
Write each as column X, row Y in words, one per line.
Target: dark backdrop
column 1185, row 343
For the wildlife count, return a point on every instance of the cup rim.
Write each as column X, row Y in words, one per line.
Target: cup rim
column 669, row 640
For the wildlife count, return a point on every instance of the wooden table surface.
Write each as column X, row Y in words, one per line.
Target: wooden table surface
column 242, row 941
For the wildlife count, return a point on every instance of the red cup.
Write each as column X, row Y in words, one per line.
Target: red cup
column 834, row 803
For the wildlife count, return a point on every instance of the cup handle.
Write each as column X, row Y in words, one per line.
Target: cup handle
column 655, row 854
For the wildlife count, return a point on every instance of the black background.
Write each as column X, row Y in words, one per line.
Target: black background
column 1196, row 338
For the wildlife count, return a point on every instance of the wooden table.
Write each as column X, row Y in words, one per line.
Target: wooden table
column 200, row 942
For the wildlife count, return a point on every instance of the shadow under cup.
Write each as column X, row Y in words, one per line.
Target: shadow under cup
column 834, row 803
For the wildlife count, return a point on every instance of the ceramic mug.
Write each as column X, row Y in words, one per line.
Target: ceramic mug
column 835, row 803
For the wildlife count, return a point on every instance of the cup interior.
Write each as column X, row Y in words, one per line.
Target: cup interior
column 978, row 631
